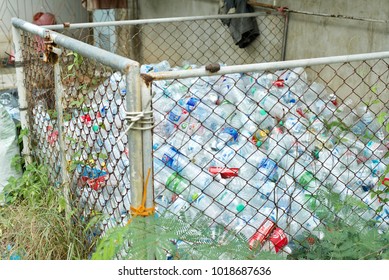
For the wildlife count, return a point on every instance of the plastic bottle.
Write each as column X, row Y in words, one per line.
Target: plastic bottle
column 345, row 112
column 268, row 170
column 225, row 110
column 295, row 125
column 226, row 136
column 304, row 178
column 376, row 150
column 232, row 88
column 272, row 105
column 368, row 127
column 177, row 184
column 263, row 119
column 169, row 124
column 171, row 157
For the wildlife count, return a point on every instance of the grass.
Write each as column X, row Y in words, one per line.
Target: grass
column 33, row 222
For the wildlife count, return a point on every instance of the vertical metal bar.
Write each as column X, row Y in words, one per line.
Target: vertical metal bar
column 135, row 144
column 23, row 102
column 135, row 32
column 285, row 36
column 133, row 101
column 147, row 136
column 134, row 104
column 61, row 143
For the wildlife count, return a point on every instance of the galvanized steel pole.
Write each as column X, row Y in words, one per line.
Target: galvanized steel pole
column 23, row 102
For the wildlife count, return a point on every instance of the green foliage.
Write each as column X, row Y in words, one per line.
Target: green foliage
column 77, row 61
column 34, row 224
column 30, row 187
column 194, row 239
column 23, row 132
column 347, row 236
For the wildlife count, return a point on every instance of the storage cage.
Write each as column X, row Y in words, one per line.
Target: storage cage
column 190, row 125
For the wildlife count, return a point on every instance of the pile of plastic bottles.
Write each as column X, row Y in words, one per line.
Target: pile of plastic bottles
column 247, row 148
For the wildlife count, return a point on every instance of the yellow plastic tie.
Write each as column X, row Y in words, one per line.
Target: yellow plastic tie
column 142, row 210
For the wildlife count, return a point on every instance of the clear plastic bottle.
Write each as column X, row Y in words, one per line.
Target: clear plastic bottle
column 268, row 170
column 375, row 149
column 263, row 119
column 171, row 157
column 177, row 184
column 161, row 66
column 272, row 105
column 368, row 127
column 226, row 136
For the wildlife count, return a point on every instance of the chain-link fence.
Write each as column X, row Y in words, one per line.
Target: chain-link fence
column 73, row 105
column 289, row 145
column 272, row 151
column 199, row 40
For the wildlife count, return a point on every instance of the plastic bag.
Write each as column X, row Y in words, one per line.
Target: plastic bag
column 8, row 147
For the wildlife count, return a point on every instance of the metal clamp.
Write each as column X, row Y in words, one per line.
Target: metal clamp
column 50, row 52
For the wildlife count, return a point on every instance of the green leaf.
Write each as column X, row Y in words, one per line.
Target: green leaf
column 379, row 209
column 381, row 117
column 376, row 102
column 102, row 156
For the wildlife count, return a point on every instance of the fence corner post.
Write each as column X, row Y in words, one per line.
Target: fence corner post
column 148, row 153
column 23, row 102
column 61, row 143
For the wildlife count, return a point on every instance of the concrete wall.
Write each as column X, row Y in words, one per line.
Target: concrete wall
column 176, row 8
column 309, row 36
column 313, row 36
column 203, row 41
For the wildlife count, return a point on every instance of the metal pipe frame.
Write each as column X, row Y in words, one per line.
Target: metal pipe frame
column 258, row 67
column 131, row 70
column 23, row 102
column 149, row 21
column 61, row 137
column 105, row 57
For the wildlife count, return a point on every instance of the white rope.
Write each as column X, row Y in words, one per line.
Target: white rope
column 140, row 118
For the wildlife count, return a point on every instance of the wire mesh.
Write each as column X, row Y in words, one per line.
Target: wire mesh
column 264, row 154
column 288, row 151
column 199, row 41
column 93, row 111
column 39, row 84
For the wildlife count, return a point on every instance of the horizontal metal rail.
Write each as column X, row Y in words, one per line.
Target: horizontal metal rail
column 107, row 58
column 286, row 9
column 149, row 21
column 257, row 67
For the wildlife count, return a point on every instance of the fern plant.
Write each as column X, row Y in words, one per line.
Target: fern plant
column 182, row 238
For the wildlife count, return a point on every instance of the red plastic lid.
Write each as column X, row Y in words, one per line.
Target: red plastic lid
column 224, row 172
column 279, row 83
